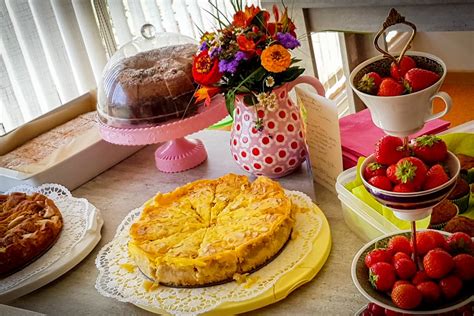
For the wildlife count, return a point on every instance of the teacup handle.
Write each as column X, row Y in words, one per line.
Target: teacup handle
column 314, row 82
column 447, row 101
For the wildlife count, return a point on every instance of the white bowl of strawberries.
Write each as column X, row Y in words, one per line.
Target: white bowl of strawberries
column 410, row 180
column 385, row 274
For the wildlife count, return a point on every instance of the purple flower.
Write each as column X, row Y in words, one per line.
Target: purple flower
column 288, row 40
column 203, row 46
column 240, row 56
column 228, row 65
column 215, row 51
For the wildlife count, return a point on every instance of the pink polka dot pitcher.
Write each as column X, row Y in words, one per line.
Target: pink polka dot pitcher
column 270, row 140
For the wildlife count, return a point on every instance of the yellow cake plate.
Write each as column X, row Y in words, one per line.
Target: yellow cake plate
column 290, row 281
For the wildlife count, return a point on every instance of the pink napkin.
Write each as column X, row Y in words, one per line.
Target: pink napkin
column 348, row 162
column 359, row 134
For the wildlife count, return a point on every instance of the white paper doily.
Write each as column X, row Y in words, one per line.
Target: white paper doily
column 115, row 282
column 77, row 215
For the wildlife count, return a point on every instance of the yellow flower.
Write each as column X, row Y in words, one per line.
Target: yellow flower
column 276, row 58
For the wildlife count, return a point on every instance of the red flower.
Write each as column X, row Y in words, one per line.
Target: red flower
column 244, row 18
column 206, row 70
column 283, row 24
column 246, row 45
column 205, row 93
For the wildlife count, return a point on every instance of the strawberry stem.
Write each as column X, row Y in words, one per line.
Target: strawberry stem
column 405, row 171
column 428, row 140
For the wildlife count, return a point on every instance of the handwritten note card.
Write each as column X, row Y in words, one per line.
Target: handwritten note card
column 323, row 137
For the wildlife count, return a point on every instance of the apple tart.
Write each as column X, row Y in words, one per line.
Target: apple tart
column 29, row 225
column 208, row 231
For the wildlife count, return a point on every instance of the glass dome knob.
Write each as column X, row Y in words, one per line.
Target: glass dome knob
column 148, row 31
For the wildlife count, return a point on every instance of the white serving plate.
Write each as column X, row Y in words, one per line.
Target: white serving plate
column 75, row 255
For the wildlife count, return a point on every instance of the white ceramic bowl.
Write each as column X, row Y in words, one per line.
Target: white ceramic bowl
column 360, row 277
column 414, row 205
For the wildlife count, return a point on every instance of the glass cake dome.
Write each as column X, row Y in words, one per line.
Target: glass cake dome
column 148, row 81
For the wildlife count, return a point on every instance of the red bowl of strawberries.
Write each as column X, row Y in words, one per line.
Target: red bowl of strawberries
column 384, row 272
column 410, row 179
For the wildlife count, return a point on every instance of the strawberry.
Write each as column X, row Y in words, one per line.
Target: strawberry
column 435, row 177
column 420, row 277
column 439, row 239
column 466, row 310
column 399, row 244
column 430, row 149
column 391, row 173
column 390, row 87
column 382, row 276
column 381, row 182
column 374, row 169
column 369, row 83
column 437, row 263
column 400, row 282
column 411, row 170
column 389, row 312
column 430, row 291
column 464, row 266
column 419, row 79
column 389, row 150
column 399, row 255
column 398, row 71
column 376, row 310
column 450, row 286
column 406, row 296
column 404, row 188
column 424, row 242
column 377, row 255
column 405, row 268
column 459, row 242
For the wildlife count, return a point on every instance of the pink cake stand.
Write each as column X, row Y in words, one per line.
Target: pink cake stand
column 177, row 153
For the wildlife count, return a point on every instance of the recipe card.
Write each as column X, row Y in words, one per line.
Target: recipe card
column 322, row 136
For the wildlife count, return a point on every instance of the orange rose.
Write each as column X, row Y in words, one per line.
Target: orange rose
column 276, row 58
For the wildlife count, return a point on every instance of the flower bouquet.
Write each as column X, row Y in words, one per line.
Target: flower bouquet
column 248, row 60
column 249, row 55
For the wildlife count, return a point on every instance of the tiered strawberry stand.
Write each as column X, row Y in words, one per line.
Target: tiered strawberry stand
column 403, row 116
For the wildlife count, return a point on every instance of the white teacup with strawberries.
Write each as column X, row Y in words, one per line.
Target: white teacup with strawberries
column 400, row 97
column 399, row 90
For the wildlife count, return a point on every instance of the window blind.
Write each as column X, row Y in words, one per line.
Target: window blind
column 52, row 51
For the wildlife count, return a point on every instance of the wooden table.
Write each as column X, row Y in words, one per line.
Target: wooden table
column 134, row 180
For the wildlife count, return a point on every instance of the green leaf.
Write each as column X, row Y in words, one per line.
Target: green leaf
column 250, row 100
column 219, row 12
column 261, row 73
column 230, row 103
column 290, row 74
column 243, row 89
column 295, row 60
column 259, row 21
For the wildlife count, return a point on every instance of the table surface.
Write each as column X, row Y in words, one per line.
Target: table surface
column 133, row 181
